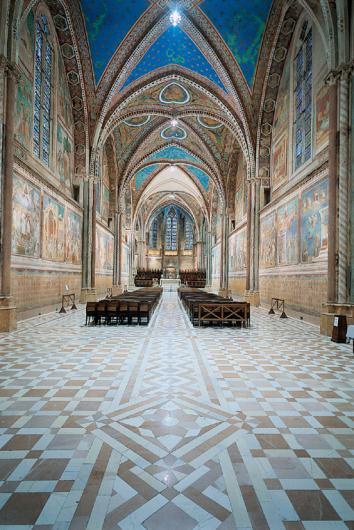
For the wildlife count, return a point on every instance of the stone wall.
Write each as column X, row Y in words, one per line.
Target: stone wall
column 293, row 253
column 103, row 282
column 237, row 284
column 304, row 293
column 34, row 289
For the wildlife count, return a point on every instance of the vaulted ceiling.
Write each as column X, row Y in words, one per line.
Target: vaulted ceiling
column 175, row 94
column 241, row 24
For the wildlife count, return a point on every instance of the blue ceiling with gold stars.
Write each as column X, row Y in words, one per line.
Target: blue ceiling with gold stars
column 174, row 47
column 240, row 23
column 107, row 23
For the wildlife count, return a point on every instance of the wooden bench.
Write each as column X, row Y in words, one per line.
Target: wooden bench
column 229, row 313
column 210, row 309
column 134, row 307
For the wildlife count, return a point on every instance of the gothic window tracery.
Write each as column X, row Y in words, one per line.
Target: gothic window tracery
column 188, row 235
column 42, row 91
column 303, row 99
column 171, row 230
column 154, row 229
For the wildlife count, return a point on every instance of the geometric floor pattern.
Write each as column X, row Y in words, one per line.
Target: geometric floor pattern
column 170, row 427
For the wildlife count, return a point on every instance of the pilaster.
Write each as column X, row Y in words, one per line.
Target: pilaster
column 7, row 307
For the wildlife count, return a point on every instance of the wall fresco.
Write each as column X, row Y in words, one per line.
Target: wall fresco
column 23, row 118
column 280, row 161
column 287, row 233
column 238, row 252
column 322, row 117
column 26, row 49
column 104, row 250
column 64, row 98
column 314, row 222
column 73, row 238
column 105, row 202
column 65, row 161
column 53, row 230
column 267, row 241
column 26, row 218
column 281, row 115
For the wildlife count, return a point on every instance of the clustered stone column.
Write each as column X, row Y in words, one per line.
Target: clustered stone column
column 7, row 307
column 224, row 256
column 339, row 194
column 252, row 256
column 209, row 260
column 117, row 265
column 88, row 291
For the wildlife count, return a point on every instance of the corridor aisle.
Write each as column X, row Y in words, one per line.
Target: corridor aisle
column 170, row 427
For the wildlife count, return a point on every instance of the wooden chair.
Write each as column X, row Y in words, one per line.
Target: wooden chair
column 133, row 311
column 112, row 312
column 144, row 312
column 90, row 312
column 123, row 312
column 100, row 311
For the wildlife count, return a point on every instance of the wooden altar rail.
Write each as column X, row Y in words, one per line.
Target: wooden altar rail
column 279, row 305
column 66, row 300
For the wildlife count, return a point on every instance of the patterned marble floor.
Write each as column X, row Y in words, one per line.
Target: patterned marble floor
column 172, row 427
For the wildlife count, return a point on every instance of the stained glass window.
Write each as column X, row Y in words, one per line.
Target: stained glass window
column 154, row 228
column 188, row 233
column 303, row 101
column 42, row 91
column 171, row 230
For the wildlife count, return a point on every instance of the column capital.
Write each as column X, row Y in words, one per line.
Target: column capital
column 343, row 71
column 10, row 68
column 92, row 178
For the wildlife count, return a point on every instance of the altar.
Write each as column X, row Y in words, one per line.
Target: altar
column 170, row 284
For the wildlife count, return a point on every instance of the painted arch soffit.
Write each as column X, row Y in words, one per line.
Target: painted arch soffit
column 144, row 177
column 171, row 181
column 158, row 202
column 146, row 99
column 154, row 141
column 145, row 171
column 160, row 87
column 180, row 98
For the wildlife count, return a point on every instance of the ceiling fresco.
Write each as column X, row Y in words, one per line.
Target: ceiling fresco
column 174, row 47
column 241, row 24
column 201, row 176
column 192, row 143
column 107, row 23
column 173, row 152
column 143, row 174
column 173, row 94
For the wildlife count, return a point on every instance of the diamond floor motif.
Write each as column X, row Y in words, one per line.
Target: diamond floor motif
column 180, row 426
